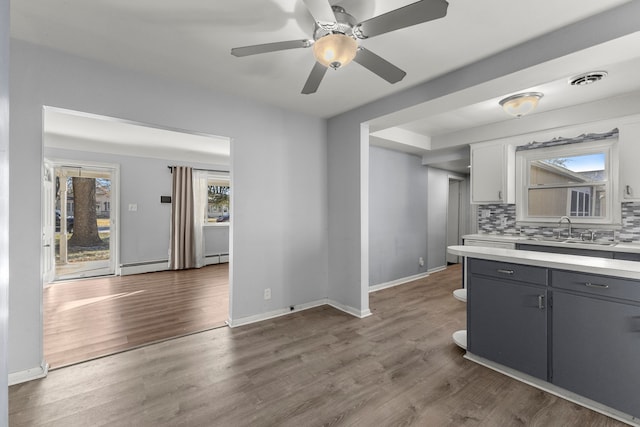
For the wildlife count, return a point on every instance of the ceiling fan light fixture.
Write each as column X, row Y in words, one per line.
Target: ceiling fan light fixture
column 335, row 50
column 521, row 104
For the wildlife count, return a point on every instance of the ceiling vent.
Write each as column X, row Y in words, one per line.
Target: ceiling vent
column 587, row 78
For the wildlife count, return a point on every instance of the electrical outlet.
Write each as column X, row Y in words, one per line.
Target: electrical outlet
column 486, row 213
column 267, row 293
column 133, row 207
column 421, row 261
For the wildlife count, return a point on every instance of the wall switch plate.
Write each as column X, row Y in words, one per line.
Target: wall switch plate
column 267, row 293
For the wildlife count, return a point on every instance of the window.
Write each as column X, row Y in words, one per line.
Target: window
column 218, row 198
column 575, row 180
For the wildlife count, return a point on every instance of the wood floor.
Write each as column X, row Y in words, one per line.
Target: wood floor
column 319, row 367
column 84, row 319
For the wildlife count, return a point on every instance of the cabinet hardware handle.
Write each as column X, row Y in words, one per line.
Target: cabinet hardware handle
column 500, row 195
column 628, row 190
column 505, row 271
column 47, row 245
column 595, row 285
column 541, row 302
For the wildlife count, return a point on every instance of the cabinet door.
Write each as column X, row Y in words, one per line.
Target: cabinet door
column 507, row 323
column 492, row 174
column 629, row 152
column 596, row 349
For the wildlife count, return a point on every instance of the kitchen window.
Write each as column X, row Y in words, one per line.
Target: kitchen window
column 574, row 180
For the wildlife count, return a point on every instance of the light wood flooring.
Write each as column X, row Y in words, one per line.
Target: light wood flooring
column 319, row 367
column 89, row 318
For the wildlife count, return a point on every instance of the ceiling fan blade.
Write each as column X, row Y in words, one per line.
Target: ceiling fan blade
column 270, row 47
column 412, row 14
column 320, row 10
column 314, row 79
column 379, row 66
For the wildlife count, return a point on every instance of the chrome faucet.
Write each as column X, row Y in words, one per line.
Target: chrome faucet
column 562, row 218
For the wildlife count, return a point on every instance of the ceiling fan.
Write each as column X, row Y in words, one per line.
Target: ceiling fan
column 335, row 36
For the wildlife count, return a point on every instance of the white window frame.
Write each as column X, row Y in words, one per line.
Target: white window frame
column 612, row 207
column 220, row 177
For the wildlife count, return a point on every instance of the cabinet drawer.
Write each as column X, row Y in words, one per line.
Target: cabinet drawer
column 508, row 271
column 596, row 285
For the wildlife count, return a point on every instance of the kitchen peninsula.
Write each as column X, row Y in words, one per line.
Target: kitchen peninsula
column 567, row 324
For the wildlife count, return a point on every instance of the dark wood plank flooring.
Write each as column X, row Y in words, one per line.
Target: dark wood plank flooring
column 89, row 318
column 319, row 367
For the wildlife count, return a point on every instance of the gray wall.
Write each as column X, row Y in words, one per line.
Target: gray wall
column 348, row 156
column 4, row 206
column 144, row 234
column 278, row 160
column 397, row 215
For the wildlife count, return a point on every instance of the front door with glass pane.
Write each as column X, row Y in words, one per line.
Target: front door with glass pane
column 84, row 224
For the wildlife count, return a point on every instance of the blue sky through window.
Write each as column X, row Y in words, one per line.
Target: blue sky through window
column 587, row 162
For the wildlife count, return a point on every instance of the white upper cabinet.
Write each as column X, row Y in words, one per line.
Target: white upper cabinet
column 629, row 161
column 492, row 173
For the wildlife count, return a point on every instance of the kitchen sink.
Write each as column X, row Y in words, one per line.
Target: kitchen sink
column 573, row 240
column 591, row 242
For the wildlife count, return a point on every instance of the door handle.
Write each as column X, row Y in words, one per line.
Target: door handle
column 596, row 285
column 541, row 302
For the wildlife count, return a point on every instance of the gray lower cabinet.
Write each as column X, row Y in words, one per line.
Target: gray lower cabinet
column 596, row 338
column 627, row 256
column 567, row 251
column 507, row 315
column 578, row 331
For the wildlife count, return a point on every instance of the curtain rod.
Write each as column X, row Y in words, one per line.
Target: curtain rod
column 198, row 169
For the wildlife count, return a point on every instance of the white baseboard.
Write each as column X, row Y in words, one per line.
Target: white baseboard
column 29, row 375
column 210, row 260
column 397, row 282
column 153, row 266
column 555, row 390
column 436, row 269
column 140, row 268
column 349, row 310
column 233, row 323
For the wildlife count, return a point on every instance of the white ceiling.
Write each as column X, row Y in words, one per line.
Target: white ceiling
column 75, row 130
column 190, row 40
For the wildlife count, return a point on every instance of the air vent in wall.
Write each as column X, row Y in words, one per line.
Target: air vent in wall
column 587, row 78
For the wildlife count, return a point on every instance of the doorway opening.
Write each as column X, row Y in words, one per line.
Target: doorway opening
column 455, row 217
column 117, row 293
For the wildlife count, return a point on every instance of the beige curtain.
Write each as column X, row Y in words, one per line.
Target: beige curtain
column 200, row 200
column 182, row 244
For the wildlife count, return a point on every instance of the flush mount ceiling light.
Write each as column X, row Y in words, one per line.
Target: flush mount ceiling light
column 520, row 104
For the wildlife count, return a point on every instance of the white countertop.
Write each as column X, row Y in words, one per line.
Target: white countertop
column 605, row 266
column 618, row 247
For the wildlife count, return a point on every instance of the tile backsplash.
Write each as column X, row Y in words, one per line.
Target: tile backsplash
column 501, row 219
